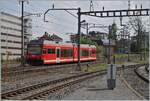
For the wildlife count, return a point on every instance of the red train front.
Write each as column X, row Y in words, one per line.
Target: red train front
column 49, row 52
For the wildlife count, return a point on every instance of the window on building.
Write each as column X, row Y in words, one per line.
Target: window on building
column 85, row 53
column 51, row 51
column 66, row 52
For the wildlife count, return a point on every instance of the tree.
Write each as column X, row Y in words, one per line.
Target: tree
column 113, row 32
column 84, row 40
column 139, row 31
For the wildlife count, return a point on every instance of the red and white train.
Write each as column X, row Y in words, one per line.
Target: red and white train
column 49, row 52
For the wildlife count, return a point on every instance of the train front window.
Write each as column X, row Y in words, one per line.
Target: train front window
column 35, row 50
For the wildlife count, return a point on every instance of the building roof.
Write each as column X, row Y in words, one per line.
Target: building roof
column 55, row 37
column 106, row 42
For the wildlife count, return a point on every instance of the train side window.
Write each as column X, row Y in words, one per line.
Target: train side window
column 51, row 51
column 93, row 52
column 58, row 53
column 44, row 51
column 85, row 53
column 66, row 53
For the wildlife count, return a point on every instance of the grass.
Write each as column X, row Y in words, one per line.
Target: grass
column 94, row 67
column 10, row 61
column 140, row 61
column 101, row 66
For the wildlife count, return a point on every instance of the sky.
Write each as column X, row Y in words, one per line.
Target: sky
column 60, row 22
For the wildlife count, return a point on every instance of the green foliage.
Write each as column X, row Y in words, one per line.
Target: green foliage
column 12, row 61
column 113, row 32
column 134, row 47
column 84, row 40
column 94, row 67
column 99, row 49
column 141, row 36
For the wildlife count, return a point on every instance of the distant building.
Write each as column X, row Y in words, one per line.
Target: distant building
column 11, row 34
column 109, row 46
column 95, row 35
column 53, row 37
column 73, row 38
column 123, row 45
column 56, row 38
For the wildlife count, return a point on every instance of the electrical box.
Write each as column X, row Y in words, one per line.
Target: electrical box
column 111, row 76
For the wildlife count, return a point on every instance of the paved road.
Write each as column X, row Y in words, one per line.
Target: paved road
column 97, row 90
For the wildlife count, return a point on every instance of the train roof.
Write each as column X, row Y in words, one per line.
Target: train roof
column 60, row 43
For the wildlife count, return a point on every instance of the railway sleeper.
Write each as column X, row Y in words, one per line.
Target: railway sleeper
column 59, row 87
column 4, row 97
column 19, row 92
column 68, row 84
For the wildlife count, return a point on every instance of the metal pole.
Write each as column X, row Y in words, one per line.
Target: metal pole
column 109, row 46
column 145, row 46
column 87, row 30
column 129, row 49
column 22, row 33
column 79, row 26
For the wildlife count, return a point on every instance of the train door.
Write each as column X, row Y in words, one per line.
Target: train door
column 58, row 55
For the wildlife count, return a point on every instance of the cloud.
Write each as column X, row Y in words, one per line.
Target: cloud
column 60, row 21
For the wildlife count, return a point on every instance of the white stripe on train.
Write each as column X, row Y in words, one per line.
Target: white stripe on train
column 69, row 60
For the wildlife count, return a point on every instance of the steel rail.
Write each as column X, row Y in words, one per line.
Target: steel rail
column 139, row 75
column 10, row 94
column 54, row 89
column 147, row 68
column 44, row 93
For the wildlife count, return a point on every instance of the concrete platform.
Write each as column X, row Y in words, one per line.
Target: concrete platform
column 98, row 90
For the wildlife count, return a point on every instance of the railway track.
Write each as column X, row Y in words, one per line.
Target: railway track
column 143, row 73
column 31, row 69
column 41, row 90
column 137, row 78
column 147, row 68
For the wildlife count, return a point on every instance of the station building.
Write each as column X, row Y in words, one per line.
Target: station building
column 10, row 29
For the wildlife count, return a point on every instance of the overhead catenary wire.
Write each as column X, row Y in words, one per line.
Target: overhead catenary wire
column 56, row 18
column 60, row 18
column 71, row 14
column 60, row 24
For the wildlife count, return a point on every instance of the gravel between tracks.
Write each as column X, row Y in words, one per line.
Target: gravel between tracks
column 137, row 83
column 94, row 89
column 35, row 78
column 15, row 81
